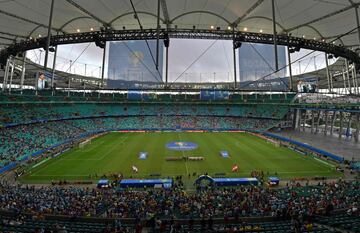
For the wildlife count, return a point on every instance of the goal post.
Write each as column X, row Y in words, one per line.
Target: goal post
column 84, row 143
column 274, row 142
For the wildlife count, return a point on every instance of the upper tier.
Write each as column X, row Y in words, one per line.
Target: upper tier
column 61, row 96
column 12, row 114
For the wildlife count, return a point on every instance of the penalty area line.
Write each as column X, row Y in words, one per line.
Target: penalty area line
column 324, row 162
column 121, row 143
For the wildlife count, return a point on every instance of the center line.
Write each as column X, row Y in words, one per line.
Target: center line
column 187, row 170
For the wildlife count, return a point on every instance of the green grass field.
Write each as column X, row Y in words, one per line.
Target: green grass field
column 117, row 152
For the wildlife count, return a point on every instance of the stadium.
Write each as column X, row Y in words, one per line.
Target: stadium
column 179, row 116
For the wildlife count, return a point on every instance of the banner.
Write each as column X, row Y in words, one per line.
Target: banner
column 214, row 95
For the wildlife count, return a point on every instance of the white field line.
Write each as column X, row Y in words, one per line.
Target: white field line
column 66, row 159
column 147, row 174
column 324, row 162
column 103, row 156
column 186, row 166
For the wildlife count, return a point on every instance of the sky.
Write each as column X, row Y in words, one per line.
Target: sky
column 200, row 60
column 189, row 59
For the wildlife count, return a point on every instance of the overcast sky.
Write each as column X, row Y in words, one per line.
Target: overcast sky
column 184, row 58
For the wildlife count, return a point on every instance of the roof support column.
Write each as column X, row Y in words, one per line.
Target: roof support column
column 290, row 70
column 69, row 86
column 103, row 67
column 348, row 129
column 357, row 20
column 36, row 83
column 53, row 68
column 331, row 82
column 304, row 121
column 313, row 121
column 235, row 46
column 318, row 122
column 167, row 44
column 344, row 79
column 355, row 81
column 49, row 34
column 234, row 55
column 275, row 35
column 22, row 76
column 341, row 124
column 348, row 75
column 334, row 114
column 327, row 72
column 326, row 113
column 353, row 77
column 6, row 75
column 357, row 127
column 297, row 116
column 83, row 84
column 157, row 36
column 11, row 75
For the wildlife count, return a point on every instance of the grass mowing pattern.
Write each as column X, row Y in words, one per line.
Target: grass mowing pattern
column 117, row 152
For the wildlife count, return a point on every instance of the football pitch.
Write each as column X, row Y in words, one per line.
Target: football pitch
column 118, row 152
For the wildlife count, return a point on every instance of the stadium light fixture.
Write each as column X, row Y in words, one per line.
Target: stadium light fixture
column 245, row 29
column 212, row 26
column 39, row 36
column 91, row 29
column 229, row 27
column 37, row 42
column 261, row 31
column 237, row 44
column 303, row 36
column 78, row 30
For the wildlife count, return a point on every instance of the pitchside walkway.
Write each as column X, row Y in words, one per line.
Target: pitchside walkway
column 331, row 143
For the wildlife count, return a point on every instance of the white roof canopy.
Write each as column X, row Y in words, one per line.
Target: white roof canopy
column 319, row 19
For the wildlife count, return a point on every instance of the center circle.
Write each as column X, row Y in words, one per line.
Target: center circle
column 181, row 146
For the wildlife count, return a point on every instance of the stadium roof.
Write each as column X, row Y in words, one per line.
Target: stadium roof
column 320, row 19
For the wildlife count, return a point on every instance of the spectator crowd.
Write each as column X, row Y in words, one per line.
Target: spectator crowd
column 212, row 202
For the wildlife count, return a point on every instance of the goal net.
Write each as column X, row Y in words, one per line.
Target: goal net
column 84, row 143
column 275, row 143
